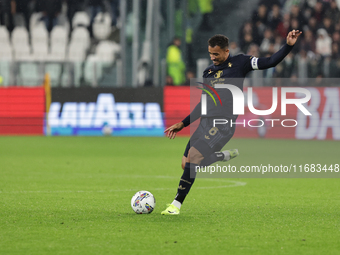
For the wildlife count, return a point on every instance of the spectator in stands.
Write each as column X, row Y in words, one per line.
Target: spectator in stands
column 328, row 25
column 95, row 7
column 169, row 81
column 337, row 26
column 302, row 66
column 286, row 67
column 287, row 4
column 313, row 25
column 316, row 55
column 270, row 3
column 334, row 66
column 206, row 7
column 335, row 51
column 274, row 17
column 336, row 37
column 308, row 42
column 296, row 13
column 6, row 13
column 278, row 43
column 323, row 43
column 283, row 27
column 234, row 49
column 267, row 40
column 260, row 19
column 294, row 24
column 318, row 11
column 315, row 68
column 260, row 15
column 248, row 29
column 176, row 66
column 246, row 42
column 333, row 12
column 253, row 50
column 189, row 75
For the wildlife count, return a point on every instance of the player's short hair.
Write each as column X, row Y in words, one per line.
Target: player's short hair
column 219, row 40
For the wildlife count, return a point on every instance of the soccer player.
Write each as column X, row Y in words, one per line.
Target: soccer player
column 205, row 144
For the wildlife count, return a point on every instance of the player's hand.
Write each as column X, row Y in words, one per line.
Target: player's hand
column 172, row 131
column 293, row 36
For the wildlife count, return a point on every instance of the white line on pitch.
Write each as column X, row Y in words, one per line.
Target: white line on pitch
column 232, row 184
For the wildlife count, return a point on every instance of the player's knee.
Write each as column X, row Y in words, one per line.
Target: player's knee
column 195, row 156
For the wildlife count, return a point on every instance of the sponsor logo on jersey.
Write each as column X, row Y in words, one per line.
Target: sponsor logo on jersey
column 218, row 74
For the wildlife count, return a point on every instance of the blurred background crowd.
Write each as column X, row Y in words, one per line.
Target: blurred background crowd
column 94, row 42
column 316, row 54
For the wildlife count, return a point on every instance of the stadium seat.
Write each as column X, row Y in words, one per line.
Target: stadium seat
column 6, row 52
column 59, row 36
column 81, row 37
column 58, row 53
column 76, row 53
column 76, row 56
column 40, row 52
column 23, row 53
column 4, row 36
column 20, row 37
column 102, row 26
column 106, row 51
column 81, row 19
column 39, row 35
column 93, row 70
column 63, row 22
column 35, row 20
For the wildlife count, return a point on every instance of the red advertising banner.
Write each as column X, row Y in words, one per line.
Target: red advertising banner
column 323, row 123
column 22, row 111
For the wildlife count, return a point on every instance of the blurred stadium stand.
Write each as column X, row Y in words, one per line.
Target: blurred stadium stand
column 88, row 46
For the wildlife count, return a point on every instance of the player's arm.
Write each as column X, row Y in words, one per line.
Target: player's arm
column 264, row 63
column 194, row 115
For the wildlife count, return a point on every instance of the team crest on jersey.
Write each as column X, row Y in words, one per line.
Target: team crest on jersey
column 218, row 74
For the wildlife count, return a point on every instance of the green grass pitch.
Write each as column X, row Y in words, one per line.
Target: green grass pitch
column 71, row 195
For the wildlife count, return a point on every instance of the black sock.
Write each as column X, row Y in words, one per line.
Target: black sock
column 187, row 180
column 216, row 156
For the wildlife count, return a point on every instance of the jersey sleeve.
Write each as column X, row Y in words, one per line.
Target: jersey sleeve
column 248, row 63
column 265, row 63
column 194, row 115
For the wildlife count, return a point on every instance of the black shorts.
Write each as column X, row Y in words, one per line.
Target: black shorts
column 208, row 139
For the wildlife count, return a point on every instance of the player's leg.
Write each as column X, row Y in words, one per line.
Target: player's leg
column 173, row 208
column 202, row 151
column 184, row 160
column 187, row 180
column 186, row 152
column 219, row 136
column 220, row 156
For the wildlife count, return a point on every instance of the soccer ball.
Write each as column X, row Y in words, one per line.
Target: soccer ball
column 143, row 202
